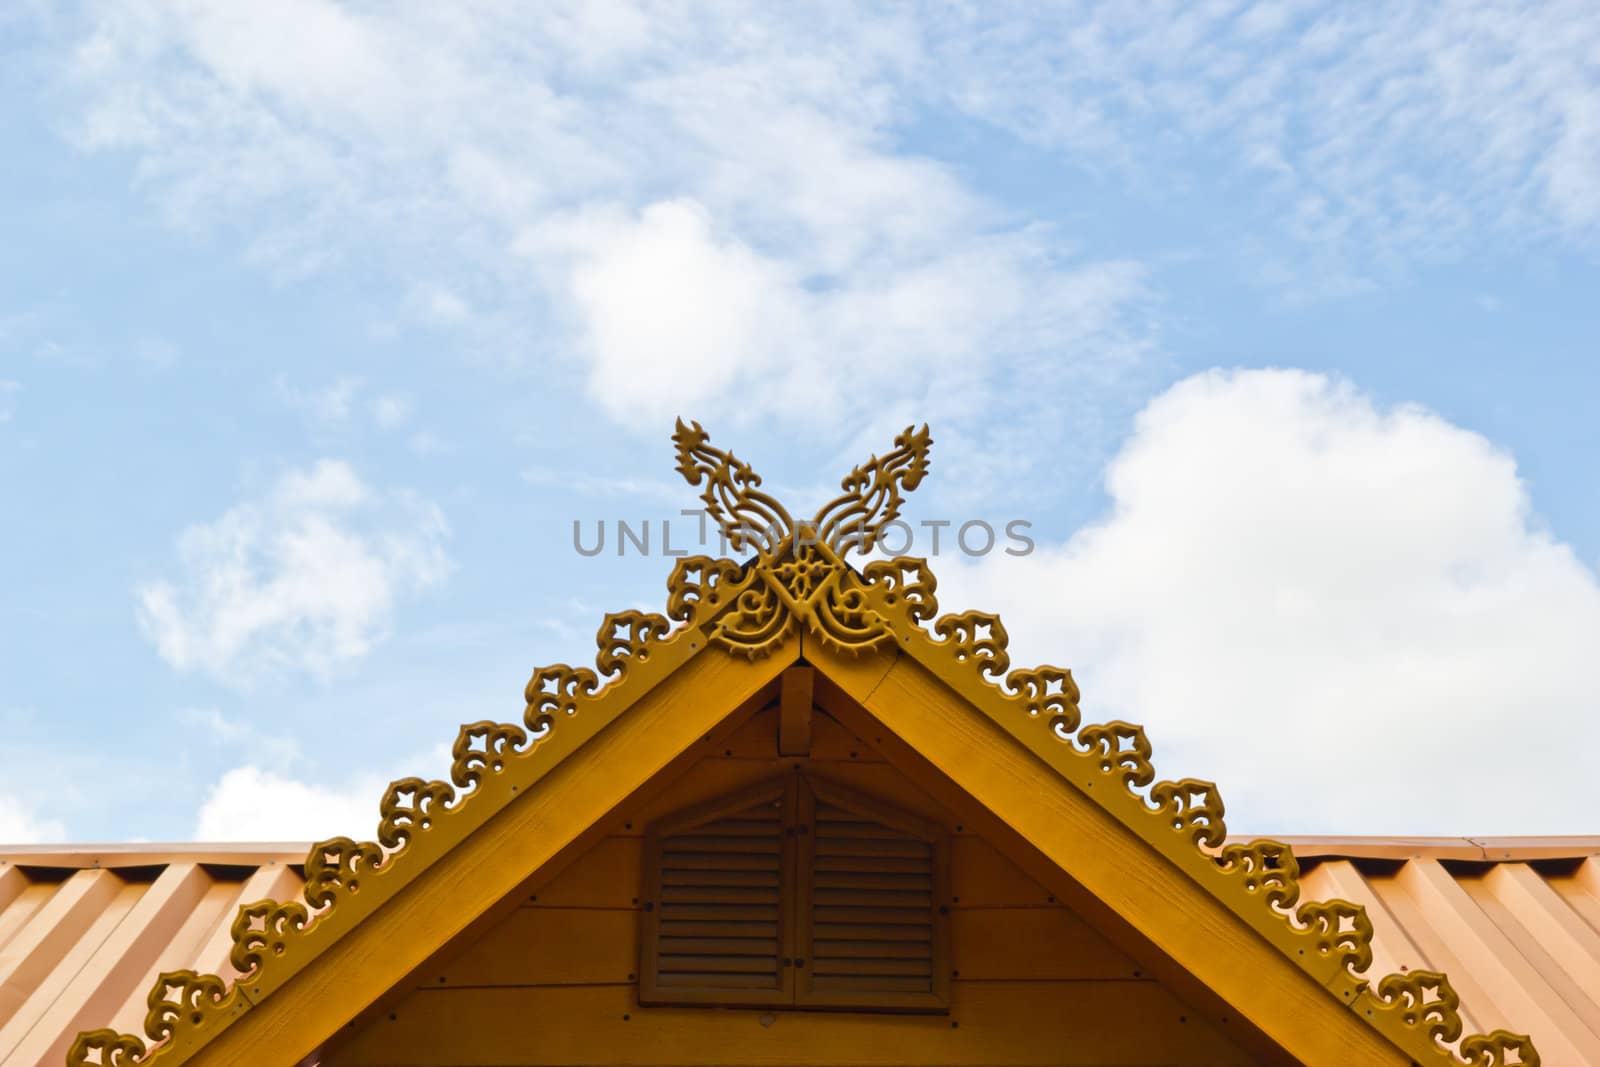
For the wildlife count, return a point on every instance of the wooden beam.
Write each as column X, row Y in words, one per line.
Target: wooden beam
column 491, row 865
column 1116, row 869
column 794, row 712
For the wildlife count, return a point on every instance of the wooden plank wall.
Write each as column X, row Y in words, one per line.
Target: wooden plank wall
column 556, row 982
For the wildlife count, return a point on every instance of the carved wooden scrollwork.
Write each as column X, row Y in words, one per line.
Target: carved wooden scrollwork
column 106, row 1048
column 798, row 582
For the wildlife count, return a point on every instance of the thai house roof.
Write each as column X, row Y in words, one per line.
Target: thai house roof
column 1325, row 949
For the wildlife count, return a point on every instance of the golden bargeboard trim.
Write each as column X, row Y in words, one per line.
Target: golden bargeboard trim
column 798, row 580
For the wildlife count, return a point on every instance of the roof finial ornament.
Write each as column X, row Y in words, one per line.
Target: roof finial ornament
column 751, row 518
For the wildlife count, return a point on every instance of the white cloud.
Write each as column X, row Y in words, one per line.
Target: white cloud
column 251, row 804
column 699, row 211
column 1386, row 132
column 19, row 826
column 1345, row 615
column 304, row 578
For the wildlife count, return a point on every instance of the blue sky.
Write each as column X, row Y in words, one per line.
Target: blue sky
column 323, row 322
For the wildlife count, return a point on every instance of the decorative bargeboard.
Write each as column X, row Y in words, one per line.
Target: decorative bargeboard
column 797, row 582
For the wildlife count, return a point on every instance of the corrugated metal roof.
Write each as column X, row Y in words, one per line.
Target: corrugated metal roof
column 1515, row 922
column 85, row 930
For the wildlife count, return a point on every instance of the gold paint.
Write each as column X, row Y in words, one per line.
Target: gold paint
column 796, row 582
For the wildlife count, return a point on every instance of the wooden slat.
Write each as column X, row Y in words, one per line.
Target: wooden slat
column 716, row 894
column 1000, row 944
column 718, row 964
column 876, row 866
column 838, row 931
column 715, row 874
column 862, row 965
column 865, row 846
column 981, row 877
column 548, row 947
column 724, row 946
column 762, row 843
column 711, row 982
column 890, row 916
column 867, row 987
column 826, row 899
column 715, row 929
column 918, row 948
column 1022, row 1024
column 606, row 876
column 715, row 861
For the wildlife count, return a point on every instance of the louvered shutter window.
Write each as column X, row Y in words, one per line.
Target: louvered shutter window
column 797, row 894
column 717, row 927
column 873, row 933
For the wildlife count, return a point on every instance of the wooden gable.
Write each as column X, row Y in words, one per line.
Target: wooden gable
column 946, row 731
column 1031, row 981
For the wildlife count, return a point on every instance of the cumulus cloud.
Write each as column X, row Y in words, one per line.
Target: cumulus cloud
column 251, row 804
column 20, row 826
column 304, row 578
column 1347, row 615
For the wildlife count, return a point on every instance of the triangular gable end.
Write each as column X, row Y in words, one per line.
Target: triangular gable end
column 1225, row 918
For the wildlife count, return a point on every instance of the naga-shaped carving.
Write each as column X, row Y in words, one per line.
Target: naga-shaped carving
column 799, row 577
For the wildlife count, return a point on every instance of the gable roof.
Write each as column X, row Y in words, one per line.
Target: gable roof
column 1521, row 894
column 1154, row 854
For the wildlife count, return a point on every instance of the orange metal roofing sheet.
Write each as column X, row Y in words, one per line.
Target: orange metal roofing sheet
column 1515, row 922
column 84, row 931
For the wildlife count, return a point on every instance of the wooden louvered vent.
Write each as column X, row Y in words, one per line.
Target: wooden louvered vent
column 797, row 894
column 871, row 899
column 722, row 894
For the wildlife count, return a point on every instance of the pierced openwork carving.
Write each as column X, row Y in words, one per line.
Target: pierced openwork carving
column 106, row 1048
column 1425, row 1002
column 195, row 993
column 625, row 635
column 261, row 932
column 798, row 581
column 484, row 747
column 799, row 578
column 409, row 806
column 1265, row 868
column 1260, row 879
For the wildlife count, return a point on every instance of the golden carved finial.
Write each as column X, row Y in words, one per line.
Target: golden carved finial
column 800, row 577
column 872, row 498
column 751, row 518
